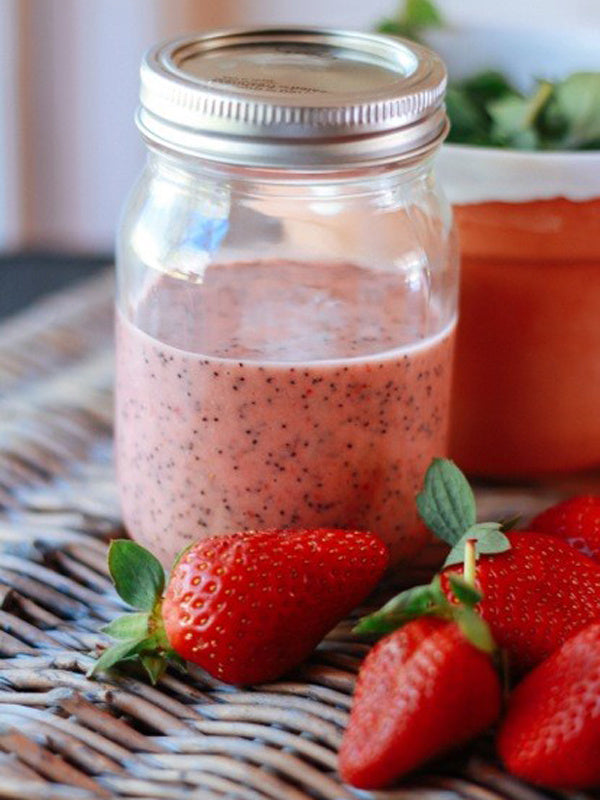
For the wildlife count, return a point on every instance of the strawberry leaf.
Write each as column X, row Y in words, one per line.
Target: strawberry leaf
column 154, row 665
column 138, row 576
column 410, row 604
column 474, row 627
column 122, row 651
column 129, row 626
column 141, row 637
column 447, row 503
column 463, row 591
column 509, row 523
column 489, row 539
column 178, row 662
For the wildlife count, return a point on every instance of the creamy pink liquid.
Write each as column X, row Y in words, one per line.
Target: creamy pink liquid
column 277, row 396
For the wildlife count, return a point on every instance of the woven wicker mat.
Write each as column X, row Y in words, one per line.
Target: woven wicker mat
column 64, row 736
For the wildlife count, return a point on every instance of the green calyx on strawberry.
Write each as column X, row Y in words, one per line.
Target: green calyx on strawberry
column 139, row 579
column 447, row 506
column 246, row 607
column 430, row 683
column 457, row 605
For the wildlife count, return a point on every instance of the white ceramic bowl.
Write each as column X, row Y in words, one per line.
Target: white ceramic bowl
column 477, row 174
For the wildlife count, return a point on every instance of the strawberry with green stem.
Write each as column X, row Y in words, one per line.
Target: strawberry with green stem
column 425, row 688
column 537, row 591
column 447, row 506
column 247, row 607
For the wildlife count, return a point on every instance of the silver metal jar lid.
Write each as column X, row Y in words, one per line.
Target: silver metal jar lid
column 293, row 98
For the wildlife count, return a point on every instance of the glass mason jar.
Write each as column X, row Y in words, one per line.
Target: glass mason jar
column 287, row 289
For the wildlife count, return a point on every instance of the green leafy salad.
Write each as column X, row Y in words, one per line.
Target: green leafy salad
column 486, row 109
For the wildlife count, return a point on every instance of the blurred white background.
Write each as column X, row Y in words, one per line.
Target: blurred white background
column 69, row 150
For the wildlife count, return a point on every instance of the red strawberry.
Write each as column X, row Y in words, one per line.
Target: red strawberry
column 535, row 595
column 577, row 521
column 551, row 734
column 247, row 607
column 537, row 590
column 422, row 690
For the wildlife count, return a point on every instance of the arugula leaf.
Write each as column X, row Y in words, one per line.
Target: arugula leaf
column 423, row 13
column 470, row 124
column 482, row 87
column 412, row 19
column 466, row 104
column 514, row 118
column 577, row 101
column 486, row 109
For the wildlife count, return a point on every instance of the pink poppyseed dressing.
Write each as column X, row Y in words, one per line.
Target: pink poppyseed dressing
column 279, row 395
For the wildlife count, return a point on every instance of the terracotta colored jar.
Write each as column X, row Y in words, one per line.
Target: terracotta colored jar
column 526, row 394
column 526, row 397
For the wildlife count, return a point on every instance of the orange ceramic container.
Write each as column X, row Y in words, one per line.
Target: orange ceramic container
column 526, row 395
column 526, row 399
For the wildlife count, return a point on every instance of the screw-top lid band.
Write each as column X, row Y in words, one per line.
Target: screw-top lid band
column 293, row 97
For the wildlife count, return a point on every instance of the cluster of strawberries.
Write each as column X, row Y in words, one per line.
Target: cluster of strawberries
column 249, row 606
column 434, row 682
